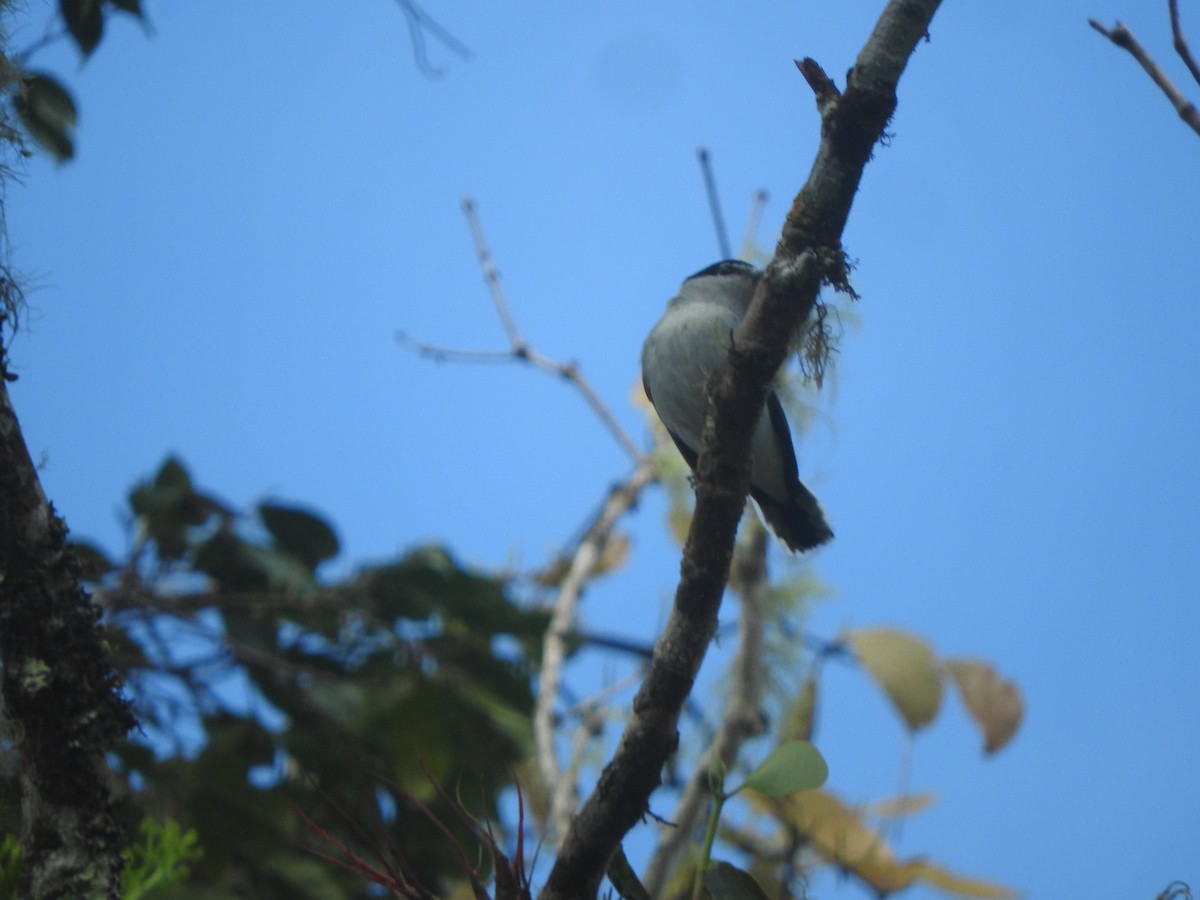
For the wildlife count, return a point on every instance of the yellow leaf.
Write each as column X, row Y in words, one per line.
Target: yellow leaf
column 614, row 555
column 907, row 805
column 994, row 702
column 961, row 885
column 836, row 832
column 839, row 835
column 798, row 719
column 904, row 666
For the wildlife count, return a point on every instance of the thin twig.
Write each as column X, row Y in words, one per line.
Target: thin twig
column 1123, row 38
column 1181, row 44
column 590, row 705
column 714, row 202
column 492, row 276
column 451, row 354
column 752, row 223
column 420, row 22
column 519, row 350
column 563, row 796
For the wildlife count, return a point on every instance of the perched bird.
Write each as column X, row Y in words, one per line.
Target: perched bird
column 686, row 346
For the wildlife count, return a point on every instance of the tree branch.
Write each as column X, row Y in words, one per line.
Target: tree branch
column 742, row 717
column 1181, row 44
column 1123, row 38
column 808, row 254
column 562, row 788
column 519, row 349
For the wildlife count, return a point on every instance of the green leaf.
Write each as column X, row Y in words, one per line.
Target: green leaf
column 792, row 766
column 85, row 21
column 48, row 114
column 168, row 506
column 173, row 475
column 727, row 882
column 161, row 856
column 304, row 535
column 227, row 559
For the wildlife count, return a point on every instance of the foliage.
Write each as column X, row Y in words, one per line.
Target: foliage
column 373, row 689
column 10, row 865
column 43, row 105
column 398, row 698
column 163, row 856
column 160, row 857
column 792, row 766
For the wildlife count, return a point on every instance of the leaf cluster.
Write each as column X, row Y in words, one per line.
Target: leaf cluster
column 43, row 105
column 363, row 695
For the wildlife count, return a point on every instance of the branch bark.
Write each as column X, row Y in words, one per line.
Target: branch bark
column 560, row 785
column 1123, row 38
column 742, row 717
column 61, row 697
column 808, row 254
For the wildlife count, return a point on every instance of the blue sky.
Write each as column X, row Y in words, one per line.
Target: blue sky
column 1007, row 452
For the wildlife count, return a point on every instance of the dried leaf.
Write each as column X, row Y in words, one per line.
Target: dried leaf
column 839, row 835
column 614, row 556
column 897, row 807
column 904, row 666
column 994, row 702
column 801, row 712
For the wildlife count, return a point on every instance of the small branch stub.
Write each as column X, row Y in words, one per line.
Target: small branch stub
column 822, row 85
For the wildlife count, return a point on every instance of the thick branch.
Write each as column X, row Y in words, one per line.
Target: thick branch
column 742, row 717
column 61, row 696
column 808, row 254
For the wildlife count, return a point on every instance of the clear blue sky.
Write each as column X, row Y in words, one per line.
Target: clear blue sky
column 1008, row 453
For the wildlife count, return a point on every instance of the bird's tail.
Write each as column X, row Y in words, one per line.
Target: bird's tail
column 798, row 522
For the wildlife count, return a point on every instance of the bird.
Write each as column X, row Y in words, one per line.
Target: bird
column 684, row 348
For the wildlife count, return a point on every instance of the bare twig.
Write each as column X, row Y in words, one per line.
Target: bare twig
column 752, row 222
column 492, row 276
column 519, row 350
column 590, row 705
column 563, row 796
column 1123, row 38
column 1181, row 44
column 742, row 716
column 420, row 22
column 808, row 254
column 714, row 202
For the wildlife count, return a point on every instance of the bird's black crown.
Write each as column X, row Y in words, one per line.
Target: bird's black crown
column 728, row 267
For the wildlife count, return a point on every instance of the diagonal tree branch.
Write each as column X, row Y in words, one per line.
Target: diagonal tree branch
column 1123, row 38
column 742, row 717
column 808, row 254
column 1181, row 44
column 519, row 349
column 560, row 785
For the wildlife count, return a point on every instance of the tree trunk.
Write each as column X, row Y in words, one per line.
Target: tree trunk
column 62, row 704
